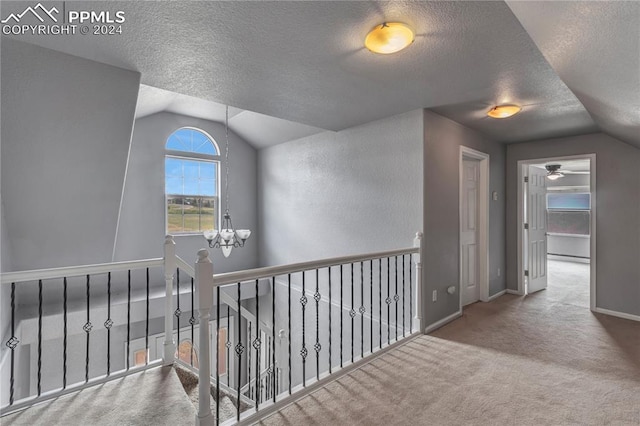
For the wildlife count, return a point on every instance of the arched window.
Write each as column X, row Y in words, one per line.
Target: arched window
column 191, row 181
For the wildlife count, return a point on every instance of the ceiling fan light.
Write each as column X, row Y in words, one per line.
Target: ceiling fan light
column 503, row 111
column 389, row 37
column 555, row 175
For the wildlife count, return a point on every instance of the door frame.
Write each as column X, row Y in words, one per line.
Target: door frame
column 483, row 220
column 522, row 164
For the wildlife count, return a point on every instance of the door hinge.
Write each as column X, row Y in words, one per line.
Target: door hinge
column 526, row 226
column 526, row 273
column 526, row 179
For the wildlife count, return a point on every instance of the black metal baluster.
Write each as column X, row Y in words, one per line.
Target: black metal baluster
column 40, row 337
column 395, row 296
column 192, row 321
column 404, row 298
column 410, row 295
column 317, row 346
column 239, row 350
column 352, row 312
column 330, row 309
column 228, row 344
column 362, row 310
column 146, row 330
column 178, row 312
column 388, row 301
column 218, row 306
column 341, row 313
column 108, row 323
column 303, row 351
column 256, row 344
column 128, row 316
column 249, row 336
column 87, row 328
column 13, row 341
column 273, row 340
column 380, row 300
column 371, row 302
column 64, row 339
column 289, row 333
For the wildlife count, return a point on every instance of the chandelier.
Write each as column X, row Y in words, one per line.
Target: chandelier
column 227, row 238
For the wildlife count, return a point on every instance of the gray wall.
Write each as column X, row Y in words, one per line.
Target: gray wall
column 141, row 228
column 354, row 191
column 66, row 127
column 617, row 217
column 442, row 141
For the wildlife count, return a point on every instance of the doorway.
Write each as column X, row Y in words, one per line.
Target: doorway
column 474, row 226
column 556, row 228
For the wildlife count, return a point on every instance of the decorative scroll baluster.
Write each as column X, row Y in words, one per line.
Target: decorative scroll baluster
column 178, row 312
column 64, row 339
column 371, row 303
column 256, row 344
column 128, row 317
column 146, row 329
column 87, row 328
column 289, row 332
column 410, row 296
column 108, row 323
column 13, row 341
column 362, row 310
column 380, row 300
column 341, row 312
column 239, row 349
column 273, row 330
column 218, row 306
column 303, row 351
column 388, row 302
column 317, row 346
column 192, row 320
column 330, row 325
column 228, row 344
column 40, row 337
column 352, row 312
column 404, row 284
column 395, row 296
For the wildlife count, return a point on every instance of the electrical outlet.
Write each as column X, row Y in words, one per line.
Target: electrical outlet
column 435, row 295
column 499, row 271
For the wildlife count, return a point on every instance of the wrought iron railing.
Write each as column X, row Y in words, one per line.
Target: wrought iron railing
column 321, row 317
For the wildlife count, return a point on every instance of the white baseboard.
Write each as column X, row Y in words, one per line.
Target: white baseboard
column 495, row 296
column 617, row 314
column 516, row 292
column 442, row 322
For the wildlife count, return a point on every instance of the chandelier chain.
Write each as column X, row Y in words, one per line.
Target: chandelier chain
column 226, row 160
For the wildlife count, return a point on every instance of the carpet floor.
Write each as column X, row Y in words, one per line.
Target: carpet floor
column 543, row 359
column 152, row 397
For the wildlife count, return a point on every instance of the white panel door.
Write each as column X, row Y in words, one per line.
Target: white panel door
column 537, row 232
column 469, row 270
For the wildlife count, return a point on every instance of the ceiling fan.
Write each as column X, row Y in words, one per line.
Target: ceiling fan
column 554, row 173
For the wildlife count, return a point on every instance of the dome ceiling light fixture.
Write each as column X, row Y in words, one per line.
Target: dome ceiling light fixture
column 503, row 111
column 389, row 37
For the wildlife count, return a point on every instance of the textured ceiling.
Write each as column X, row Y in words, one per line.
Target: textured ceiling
column 304, row 61
column 258, row 129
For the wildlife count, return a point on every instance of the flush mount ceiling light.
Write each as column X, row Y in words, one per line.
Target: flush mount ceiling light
column 503, row 111
column 389, row 37
column 553, row 172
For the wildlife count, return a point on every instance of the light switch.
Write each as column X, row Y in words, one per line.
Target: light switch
column 494, row 195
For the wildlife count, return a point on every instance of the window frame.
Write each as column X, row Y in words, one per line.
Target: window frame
column 192, row 156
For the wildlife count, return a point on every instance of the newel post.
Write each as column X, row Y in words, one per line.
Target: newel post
column 204, row 300
column 169, row 268
column 417, row 319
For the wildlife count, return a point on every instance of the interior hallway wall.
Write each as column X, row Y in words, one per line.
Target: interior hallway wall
column 142, row 218
column 66, row 128
column 617, row 216
column 442, row 141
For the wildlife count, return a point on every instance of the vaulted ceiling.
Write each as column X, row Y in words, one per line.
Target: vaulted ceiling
column 573, row 66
